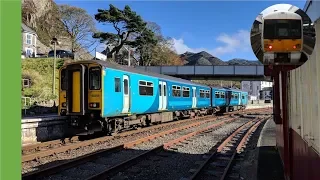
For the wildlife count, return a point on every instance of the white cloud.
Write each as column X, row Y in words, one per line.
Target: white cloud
column 239, row 41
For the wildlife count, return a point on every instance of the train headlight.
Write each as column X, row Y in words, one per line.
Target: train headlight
column 297, row 46
column 268, row 46
column 94, row 105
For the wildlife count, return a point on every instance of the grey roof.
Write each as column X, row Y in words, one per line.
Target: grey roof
column 138, row 71
column 27, row 29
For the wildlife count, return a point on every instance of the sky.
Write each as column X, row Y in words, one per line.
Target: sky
column 222, row 28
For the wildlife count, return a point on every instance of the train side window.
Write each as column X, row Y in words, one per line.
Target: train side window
column 202, row 93
column 208, row 94
column 232, row 96
column 94, row 78
column 186, row 92
column 164, row 90
column 217, row 94
column 222, row 94
column 145, row 88
column 176, row 91
column 63, row 80
column 236, row 96
column 117, row 85
column 242, row 96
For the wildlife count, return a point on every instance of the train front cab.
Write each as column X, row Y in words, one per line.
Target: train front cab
column 282, row 37
column 80, row 95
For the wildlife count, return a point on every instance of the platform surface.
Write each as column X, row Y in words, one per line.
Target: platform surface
column 269, row 162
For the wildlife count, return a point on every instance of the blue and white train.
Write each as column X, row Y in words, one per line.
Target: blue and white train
column 103, row 96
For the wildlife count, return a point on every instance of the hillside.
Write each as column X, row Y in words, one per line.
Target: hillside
column 43, row 17
column 204, row 58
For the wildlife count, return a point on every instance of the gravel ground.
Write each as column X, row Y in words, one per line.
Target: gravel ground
column 115, row 158
column 246, row 163
column 176, row 164
column 56, row 159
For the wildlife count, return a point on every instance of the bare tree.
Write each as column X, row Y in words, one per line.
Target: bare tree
column 79, row 25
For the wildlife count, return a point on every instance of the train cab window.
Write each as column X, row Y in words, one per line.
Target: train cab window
column 94, row 78
column 186, row 92
column 284, row 29
column 63, row 82
column 117, row 85
column 217, row 94
column 145, row 88
column 222, row 95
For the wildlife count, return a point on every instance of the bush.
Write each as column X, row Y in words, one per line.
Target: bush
column 40, row 73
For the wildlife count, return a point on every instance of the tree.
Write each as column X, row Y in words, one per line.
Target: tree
column 125, row 22
column 79, row 25
column 145, row 45
column 161, row 52
column 164, row 55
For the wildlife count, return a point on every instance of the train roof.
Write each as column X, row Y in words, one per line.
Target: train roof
column 282, row 15
column 138, row 71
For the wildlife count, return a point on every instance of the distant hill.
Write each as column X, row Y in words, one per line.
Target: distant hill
column 237, row 61
column 201, row 58
column 204, row 58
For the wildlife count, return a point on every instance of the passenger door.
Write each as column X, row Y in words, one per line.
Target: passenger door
column 126, row 94
column 77, row 91
column 194, row 97
column 162, row 95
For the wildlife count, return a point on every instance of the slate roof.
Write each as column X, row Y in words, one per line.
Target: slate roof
column 27, row 29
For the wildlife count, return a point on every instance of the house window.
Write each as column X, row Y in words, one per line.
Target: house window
column 29, row 52
column 28, row 38
column 26, row 83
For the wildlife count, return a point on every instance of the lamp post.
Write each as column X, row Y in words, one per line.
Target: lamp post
column 54, row 42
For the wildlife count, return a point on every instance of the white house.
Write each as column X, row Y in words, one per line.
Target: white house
column 29, row 41
column 254, row 87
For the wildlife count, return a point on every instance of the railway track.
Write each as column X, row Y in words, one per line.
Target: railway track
column 218, row 164
column 126, row 157
column 40, row 150
column 122, row 149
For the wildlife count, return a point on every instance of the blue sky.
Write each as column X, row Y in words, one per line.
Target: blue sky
column 221, row 28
